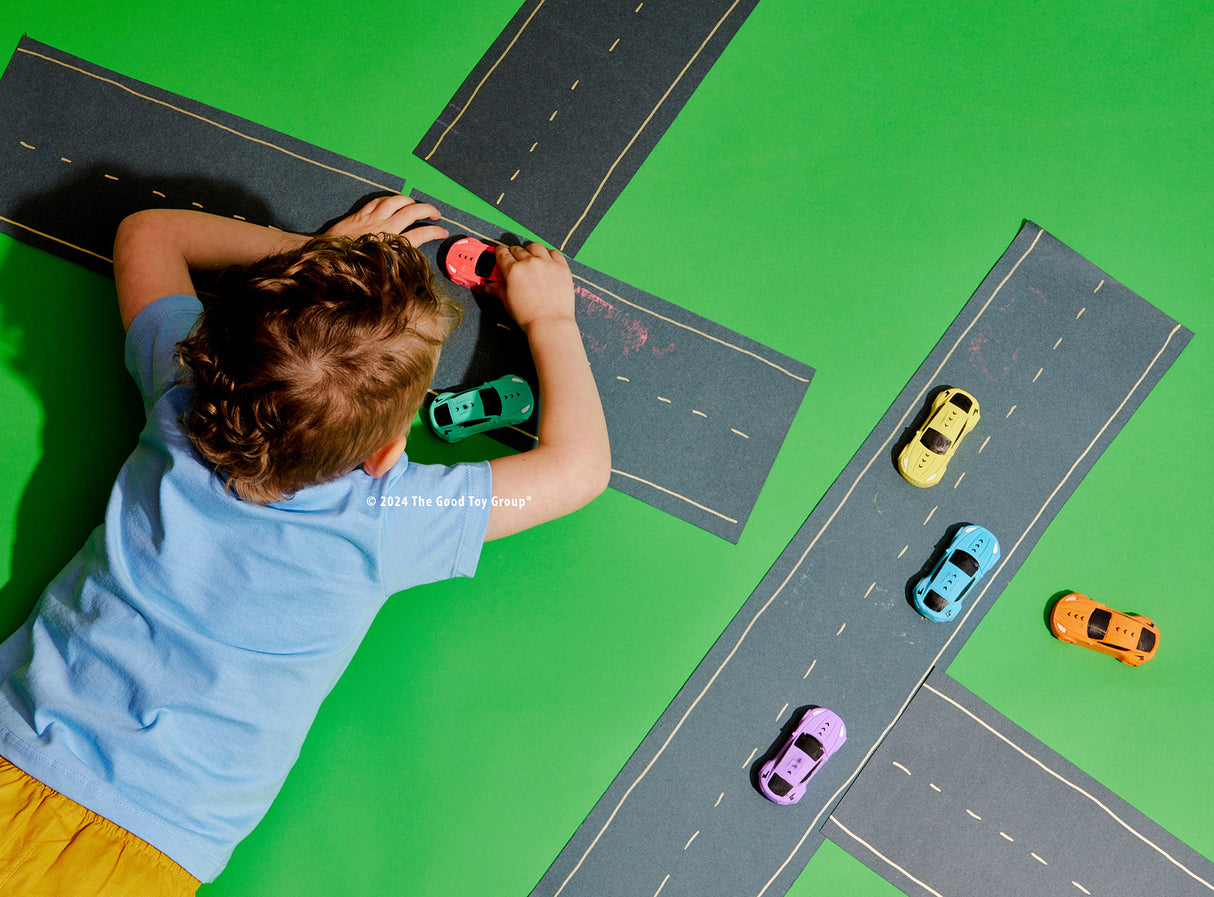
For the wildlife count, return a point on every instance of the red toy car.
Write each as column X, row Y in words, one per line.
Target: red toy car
column 469, row 262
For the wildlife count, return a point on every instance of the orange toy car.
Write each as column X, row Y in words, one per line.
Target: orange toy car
column 1131, row 638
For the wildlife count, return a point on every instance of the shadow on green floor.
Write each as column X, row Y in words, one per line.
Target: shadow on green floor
column 60, row 336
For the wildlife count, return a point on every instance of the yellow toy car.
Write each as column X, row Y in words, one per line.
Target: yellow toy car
column 924, row 459
column 1131, row 638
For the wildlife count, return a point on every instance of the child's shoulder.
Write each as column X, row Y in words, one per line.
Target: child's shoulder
column 151, row 343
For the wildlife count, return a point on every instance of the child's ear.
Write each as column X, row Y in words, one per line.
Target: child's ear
column 382, row 460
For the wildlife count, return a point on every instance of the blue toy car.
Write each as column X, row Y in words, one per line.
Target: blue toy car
column 967, row 559
column 499, row 403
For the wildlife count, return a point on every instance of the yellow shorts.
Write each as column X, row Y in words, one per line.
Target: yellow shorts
column 51, row 847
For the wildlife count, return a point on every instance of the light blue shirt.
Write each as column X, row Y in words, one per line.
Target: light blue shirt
column 169, row 674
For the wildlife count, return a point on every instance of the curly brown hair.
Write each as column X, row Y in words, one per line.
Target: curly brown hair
column 308, row 362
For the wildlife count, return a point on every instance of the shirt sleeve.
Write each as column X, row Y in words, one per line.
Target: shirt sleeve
column 433, row 522
column 151, row 344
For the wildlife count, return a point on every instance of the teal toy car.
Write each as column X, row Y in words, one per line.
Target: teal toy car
column 503, row 402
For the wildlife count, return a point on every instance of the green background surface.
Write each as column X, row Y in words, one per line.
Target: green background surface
column 836, row 188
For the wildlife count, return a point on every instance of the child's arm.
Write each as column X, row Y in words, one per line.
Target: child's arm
column 155, row 250
column 572, row 462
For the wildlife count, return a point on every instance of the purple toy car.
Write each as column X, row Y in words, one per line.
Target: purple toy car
column 818, row 735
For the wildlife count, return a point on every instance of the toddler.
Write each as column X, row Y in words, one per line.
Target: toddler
column 154, row 702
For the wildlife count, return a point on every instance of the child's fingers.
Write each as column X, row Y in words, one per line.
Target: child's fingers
column 540, row 251
column 387, row 206
column 508, row 256
column 410, row 213
column 531, row 250
column 387, row 214
column 419, row 235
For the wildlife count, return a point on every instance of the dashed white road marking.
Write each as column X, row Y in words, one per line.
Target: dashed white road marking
column 1076, row 788
column 901, row 767
column 628, row 146
column 692, row 838
column 814, row 823
column 200, row 118
column 814, row 541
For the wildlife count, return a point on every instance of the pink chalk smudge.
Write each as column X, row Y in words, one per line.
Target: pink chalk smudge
column 631, row 333
column 975, row 353
column 978, row 356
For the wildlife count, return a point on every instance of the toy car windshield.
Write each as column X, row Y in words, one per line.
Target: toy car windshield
column 1098, row 623
column 935, row 441
column 1146, row 641
column 485, row 263
column 961, row 401
column 964, row 561
column 778, row 786
column 935, row 601
column 810, row 746
column 491, row 402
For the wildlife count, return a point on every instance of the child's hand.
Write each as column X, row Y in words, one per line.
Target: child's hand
column 538, row 283
column 391, row 215
column 571, row 463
